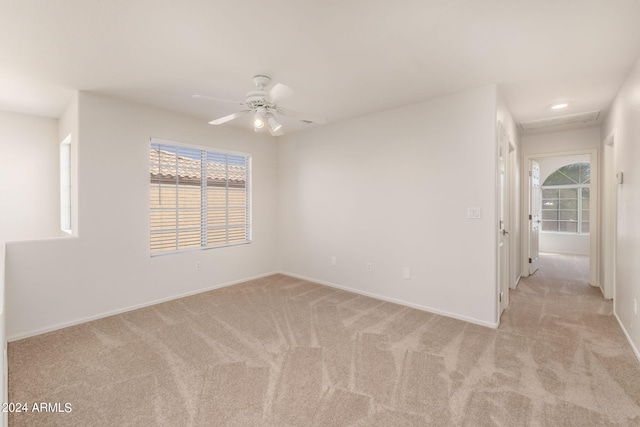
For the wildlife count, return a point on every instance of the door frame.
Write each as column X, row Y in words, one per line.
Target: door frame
column 503, row 204
column 531, row 195
column 594, row 212
column 609, row 216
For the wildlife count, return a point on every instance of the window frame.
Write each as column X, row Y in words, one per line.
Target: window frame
column 204, row 227
column 579, row 205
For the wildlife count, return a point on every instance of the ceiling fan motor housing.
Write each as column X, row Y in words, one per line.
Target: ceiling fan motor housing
column 261, row 81
column 257, row 98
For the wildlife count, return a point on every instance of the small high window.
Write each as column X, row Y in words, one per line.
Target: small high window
column 566, row 199
column 65, row 185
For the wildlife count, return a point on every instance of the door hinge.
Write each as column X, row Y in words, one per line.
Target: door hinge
column 529, row 260
column 529, row 173
column 530, row 217
column 500, row 297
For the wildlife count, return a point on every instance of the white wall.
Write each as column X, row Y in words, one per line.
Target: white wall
column 393, row 189
column 561, row 142
column 107, row 268
column 29, row 194
column 567, row 243
column 577, row 244
column 624, row 117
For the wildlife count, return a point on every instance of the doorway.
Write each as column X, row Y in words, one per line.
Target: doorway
column 508, row 209
column 561, row 210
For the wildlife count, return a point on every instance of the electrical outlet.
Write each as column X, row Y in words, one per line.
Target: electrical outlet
column 334, row 260
column 369, row 267
column 198, row 266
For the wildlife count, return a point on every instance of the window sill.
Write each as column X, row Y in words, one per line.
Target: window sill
column 182, row 251
column 567, row 233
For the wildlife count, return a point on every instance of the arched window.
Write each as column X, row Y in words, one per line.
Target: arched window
column 565, row 199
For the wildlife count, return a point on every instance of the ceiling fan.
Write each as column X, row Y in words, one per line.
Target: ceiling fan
column 262, row 105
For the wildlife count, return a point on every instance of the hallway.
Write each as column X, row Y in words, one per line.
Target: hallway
column 576, row 356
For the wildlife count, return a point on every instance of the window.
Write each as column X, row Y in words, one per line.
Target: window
column 565, row 199
column 65, row 185
column 199, row 198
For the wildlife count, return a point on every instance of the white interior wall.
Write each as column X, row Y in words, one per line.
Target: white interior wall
column 577, row 244
column 107, row 268
column 29, row 166
column 624, row 118
column 392, row 189
column 561, row 142
column 568, row 243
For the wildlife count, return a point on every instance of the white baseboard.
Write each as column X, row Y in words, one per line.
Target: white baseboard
column 396, row 301
column 515, row 285
column 624, row 331
column 130, row 308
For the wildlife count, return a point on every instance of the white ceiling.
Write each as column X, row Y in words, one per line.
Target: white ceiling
column 344, row 58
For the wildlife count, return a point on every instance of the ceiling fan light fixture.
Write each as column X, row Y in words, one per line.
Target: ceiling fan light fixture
column 275, row 125
column 261, row 107
column 259, row 118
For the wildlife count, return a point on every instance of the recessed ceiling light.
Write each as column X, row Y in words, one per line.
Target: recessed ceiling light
column 559, row 106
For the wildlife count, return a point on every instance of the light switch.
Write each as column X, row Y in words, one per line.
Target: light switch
column 473, row 213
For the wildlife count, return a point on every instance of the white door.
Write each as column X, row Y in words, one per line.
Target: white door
column 503, row 213
column 535, row 212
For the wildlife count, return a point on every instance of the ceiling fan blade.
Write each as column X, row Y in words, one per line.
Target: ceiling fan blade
column 303, row 117
column 228, row 118
column 213, row 98
column 279, row 91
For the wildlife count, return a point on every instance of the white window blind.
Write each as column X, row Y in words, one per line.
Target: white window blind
column 199, row 198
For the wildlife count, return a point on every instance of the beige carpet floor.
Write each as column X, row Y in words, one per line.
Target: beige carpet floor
column 280, row 351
